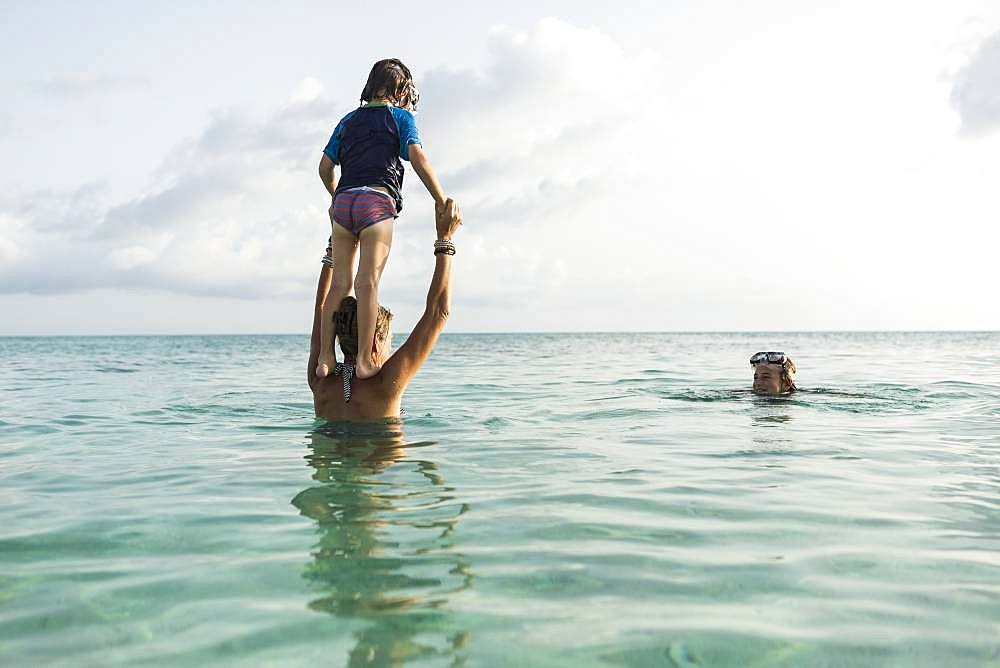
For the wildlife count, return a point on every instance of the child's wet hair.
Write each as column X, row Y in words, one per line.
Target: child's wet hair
column 391, row 79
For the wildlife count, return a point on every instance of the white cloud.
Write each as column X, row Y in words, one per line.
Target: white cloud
column 526, row 143
column 10, row 227
column 552, row 149
column 307, row 90
column 234, row 213
column 605, row 187
column 976, row 89
column 132, row 257
column 79, row 85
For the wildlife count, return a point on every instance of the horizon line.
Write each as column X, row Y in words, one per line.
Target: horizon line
column 538, row 332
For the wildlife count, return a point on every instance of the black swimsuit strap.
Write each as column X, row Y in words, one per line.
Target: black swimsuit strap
column 348, row 372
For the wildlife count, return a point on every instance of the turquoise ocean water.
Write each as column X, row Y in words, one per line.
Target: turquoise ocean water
column 172, row 501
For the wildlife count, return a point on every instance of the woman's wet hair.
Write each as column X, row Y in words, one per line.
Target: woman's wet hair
column 788, row 374
column 346, row 321
column 390, row 79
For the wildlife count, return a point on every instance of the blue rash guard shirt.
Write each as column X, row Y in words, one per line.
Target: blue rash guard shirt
column 370, row 144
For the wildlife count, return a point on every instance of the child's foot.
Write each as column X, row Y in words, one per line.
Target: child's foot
column 324, row 365
column 364, row 370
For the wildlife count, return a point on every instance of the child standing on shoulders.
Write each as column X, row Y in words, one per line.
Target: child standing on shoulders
column 369, row 144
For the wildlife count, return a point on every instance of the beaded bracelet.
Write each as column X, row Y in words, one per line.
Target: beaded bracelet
column 444, row 247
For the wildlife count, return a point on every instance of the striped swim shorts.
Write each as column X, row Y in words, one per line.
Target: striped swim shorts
column 358, row 208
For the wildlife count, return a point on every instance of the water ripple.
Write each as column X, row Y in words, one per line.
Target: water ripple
column 629, row 502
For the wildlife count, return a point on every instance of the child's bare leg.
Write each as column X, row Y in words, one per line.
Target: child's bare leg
column 345, row 246
column 375, row 243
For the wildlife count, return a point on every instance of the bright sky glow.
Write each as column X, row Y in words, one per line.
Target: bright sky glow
column 790, row 165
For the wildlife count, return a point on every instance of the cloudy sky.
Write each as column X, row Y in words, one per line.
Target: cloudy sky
column 719, row 165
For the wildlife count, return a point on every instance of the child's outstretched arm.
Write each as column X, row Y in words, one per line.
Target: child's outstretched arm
column 422, row 166
column 327, row 175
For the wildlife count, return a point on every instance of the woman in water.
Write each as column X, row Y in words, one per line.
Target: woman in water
column 773, row 373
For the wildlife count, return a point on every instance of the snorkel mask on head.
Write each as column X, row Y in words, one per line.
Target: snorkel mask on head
column 767, row 358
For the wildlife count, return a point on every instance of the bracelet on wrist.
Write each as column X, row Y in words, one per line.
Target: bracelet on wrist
column 444, row 249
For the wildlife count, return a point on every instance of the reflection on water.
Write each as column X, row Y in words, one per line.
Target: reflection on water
column 769, row 417
column 386, row 554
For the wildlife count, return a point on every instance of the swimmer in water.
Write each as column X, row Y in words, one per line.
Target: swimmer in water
column 773, row 373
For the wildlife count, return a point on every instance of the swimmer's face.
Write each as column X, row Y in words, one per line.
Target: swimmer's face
column 767, row 379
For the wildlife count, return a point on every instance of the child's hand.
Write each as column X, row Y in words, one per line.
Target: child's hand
column 447, row 219
column 439, row 207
